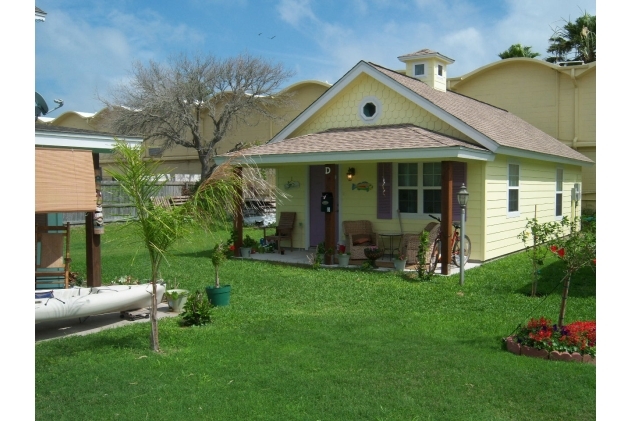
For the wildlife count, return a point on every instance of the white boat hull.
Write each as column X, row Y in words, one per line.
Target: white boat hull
column 83, row 302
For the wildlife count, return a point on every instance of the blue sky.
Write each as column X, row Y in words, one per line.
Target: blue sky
column 86, row 46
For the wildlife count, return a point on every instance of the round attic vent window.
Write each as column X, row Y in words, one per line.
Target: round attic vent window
column 369, row 109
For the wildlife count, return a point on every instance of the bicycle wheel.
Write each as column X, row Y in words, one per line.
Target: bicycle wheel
column 467, row 251
column 434, row 257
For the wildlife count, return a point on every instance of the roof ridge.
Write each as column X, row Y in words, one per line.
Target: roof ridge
column 415, row 80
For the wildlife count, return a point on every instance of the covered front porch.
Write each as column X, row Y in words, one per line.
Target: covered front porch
column 301, row 257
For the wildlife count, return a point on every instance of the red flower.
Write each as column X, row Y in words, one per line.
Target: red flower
column 231, row 248
column 553, row 249
column 594, row 261
column 561, row 253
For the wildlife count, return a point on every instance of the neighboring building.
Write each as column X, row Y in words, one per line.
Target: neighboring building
column 66, row 167
column 412, row 144
column 183, row 163
column 40, row 15
column 560, row 100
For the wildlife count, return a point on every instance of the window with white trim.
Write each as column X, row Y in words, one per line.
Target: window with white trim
column 419, row 193
column 439, row 70
column 369, row 109
column 559, row 194
column 513, row 189
column 408, row 188
column 419, row 69
column 431, row 187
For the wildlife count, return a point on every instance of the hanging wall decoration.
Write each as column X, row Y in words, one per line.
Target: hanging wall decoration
column 291, row 184
column 98, row 214
column 364, row 185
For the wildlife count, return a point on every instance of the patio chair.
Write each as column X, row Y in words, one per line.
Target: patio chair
column 284, row 230
column 359, row 234
column 410, row 243
column 52, row 256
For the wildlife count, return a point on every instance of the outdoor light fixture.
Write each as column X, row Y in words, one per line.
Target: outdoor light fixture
column 350, row 174
column 463, row 198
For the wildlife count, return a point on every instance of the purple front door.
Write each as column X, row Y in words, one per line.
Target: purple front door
column 316, row 220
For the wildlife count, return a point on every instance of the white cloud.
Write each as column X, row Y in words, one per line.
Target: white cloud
column 79, row 57
column 295, row 12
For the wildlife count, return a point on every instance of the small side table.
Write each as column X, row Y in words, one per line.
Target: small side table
column 390, row 237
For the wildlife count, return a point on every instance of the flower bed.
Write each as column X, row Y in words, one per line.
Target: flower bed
column 541, row 339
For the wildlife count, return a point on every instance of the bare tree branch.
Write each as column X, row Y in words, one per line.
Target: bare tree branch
column 168, row 104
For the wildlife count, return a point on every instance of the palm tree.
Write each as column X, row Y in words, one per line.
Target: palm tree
column 574, row 41
column 517, row 50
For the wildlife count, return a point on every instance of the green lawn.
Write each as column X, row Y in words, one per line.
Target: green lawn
column 328, row 344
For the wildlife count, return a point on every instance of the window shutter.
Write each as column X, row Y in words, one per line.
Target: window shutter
column 384, row 190
column 459, row 177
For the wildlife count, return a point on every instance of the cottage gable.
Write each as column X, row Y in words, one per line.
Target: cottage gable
column 351, row 108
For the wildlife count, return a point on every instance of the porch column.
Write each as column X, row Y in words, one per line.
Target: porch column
column 237, row 223
column 92, row 243
column 447, row 170
column 330, row 185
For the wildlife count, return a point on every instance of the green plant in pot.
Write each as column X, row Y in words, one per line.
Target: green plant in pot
column 399, row 262
column 218, row 295
column 248, row 244
column 176, row 298
column 343, row 258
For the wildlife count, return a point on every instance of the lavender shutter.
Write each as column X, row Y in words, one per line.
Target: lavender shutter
column 459, row 177
column 384, row 190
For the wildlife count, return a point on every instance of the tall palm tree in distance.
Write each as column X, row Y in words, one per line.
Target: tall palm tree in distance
column 517, row 50
column 574, row 41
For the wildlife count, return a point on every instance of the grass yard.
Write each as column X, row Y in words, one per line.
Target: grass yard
column 328, row 344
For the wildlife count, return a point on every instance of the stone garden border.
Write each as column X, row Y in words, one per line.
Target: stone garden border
column 518, row 349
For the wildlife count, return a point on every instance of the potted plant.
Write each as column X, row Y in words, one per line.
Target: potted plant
column 218, row 295
column 373, row 253
column 248, row 244
column 343, row 258
column 176, row 298
column 399, row 262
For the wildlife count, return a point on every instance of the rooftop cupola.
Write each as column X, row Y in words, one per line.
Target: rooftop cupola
column 428, row 66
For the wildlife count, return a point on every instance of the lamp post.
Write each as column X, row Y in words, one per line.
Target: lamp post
column 463, row 198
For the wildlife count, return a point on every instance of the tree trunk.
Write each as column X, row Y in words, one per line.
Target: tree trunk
column 566, row 289
column 155, row 344
column 533, row 290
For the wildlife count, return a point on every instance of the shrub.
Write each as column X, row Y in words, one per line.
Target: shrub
column 196, row 310
column 422, row 267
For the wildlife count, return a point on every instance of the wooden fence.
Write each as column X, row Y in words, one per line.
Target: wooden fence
column 118, row 207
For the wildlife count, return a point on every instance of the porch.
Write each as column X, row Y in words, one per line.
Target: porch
column 300, row 257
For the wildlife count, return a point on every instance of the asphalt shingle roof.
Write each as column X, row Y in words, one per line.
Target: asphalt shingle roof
column 364, row 138
column 502, row 127
column 499, row 125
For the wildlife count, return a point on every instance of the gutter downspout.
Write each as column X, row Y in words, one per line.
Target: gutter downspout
column 575, row 83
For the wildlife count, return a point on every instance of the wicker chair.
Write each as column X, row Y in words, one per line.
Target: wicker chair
column 284, row 230
column 359, row 234
column 410, row 243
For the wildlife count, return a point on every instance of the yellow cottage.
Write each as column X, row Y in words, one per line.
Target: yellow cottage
column 408, row 145
column 558, row 99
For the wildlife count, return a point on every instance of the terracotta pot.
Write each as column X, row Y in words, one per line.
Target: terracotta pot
column 534, row 352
